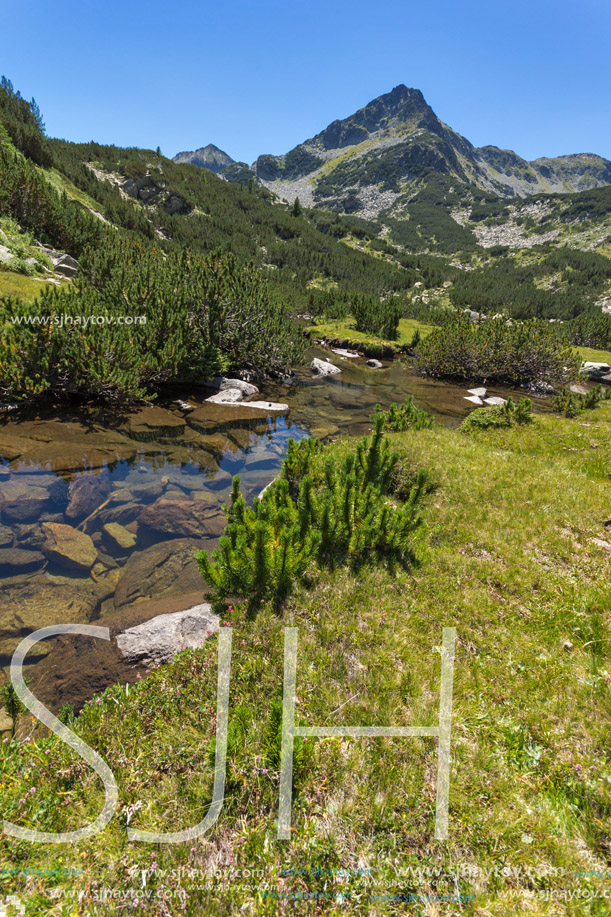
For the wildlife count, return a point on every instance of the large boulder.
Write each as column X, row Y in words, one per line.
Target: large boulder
column 324, row 368
column 157, row 641
column 87, row 491
column 597, row 372
column 177, row 516
column 68, row 547
column 227, row 396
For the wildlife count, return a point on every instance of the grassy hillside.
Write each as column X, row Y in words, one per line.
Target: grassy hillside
column 514, row 553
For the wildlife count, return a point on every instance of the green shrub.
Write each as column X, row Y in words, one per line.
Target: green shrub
column 374, row 316
column 189, row 315
column 494, row 350
column 571, row 403
column 346, row 517
column 503, row 415
column 403, row 417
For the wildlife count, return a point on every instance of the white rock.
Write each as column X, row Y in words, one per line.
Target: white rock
column 374, row 364
column 348, row 354
column 324, row 368
column 222, row 383
column 157, row 641
column 227, row 396
column 480, row 392
column 474, row 399
column 495, row 400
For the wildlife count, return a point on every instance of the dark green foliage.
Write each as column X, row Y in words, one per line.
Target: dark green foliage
column 23, row 123
column 28, row 198
column 571, row 403
column 187, row 316
column 495, row 350
column 341, row 514
column 12, row 704
column 502, row 415
column 402, row 417
column 502, row 286
column 377, row 316
column 590, row 329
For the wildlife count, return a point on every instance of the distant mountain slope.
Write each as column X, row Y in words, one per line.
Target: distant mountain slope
column 207, row 157
column 375, row 160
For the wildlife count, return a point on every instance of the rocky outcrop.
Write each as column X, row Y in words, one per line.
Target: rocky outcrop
column 157, row 641
column 324, row 368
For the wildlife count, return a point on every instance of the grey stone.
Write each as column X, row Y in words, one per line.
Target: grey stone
column 494, row 400
column 480, row 392
column 222, row 383
column 373, row 363
column 227, row 396
column 157, row 641
column 324, row 368
column 474, row 399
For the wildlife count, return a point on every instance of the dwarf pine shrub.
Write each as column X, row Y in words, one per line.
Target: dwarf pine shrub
column 408, row 415
column 503, row 415
column 330, row 511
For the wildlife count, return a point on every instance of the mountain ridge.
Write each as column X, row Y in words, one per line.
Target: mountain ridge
column 375, row 160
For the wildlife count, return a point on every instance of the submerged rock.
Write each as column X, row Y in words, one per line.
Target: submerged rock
column 19, row 560
column 120, row 536
column 179, row 516
column 324, row 368
column 373, row 364
column 68, row 547
column 165, row 568
column 86, row 492
column 157, row 641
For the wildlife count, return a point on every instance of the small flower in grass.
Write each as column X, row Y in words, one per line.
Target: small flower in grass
column 578, row 767
column 33, row 790
column 193, row 849
column 153, row 856
column 21, row 802
column 47, row 751
column 4, row 741
column 99, row 700
column 138, row 675
column 147, row 671
column 607, row 677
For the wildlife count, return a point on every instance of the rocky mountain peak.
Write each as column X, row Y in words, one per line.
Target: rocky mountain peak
column 206, row 157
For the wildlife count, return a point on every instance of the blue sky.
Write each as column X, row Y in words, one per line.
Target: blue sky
column 259, row 77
